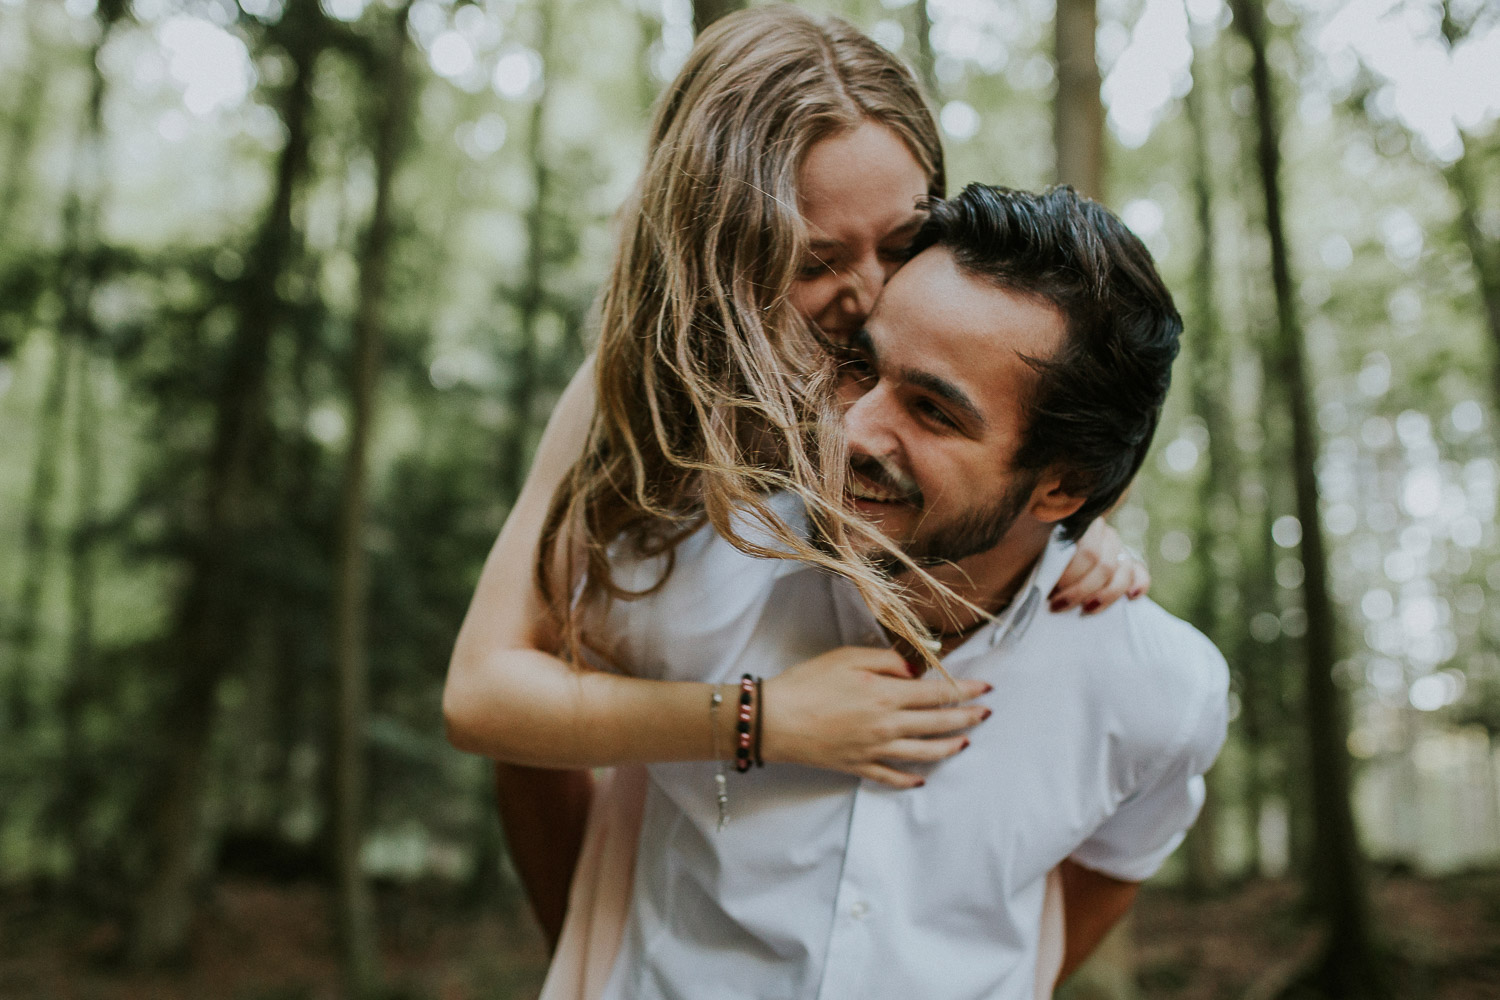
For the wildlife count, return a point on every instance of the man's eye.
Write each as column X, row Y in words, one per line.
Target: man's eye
column 935, row 413
column 898, row 255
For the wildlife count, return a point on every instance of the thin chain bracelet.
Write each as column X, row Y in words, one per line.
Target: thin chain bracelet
column 721, row 783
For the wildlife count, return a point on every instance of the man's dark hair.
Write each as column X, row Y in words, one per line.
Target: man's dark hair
column 1096, row 403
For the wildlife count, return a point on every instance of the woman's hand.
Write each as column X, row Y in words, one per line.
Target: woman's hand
column 1101, row 572
column 859, row 710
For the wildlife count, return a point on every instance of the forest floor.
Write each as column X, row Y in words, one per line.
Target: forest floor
column 260, row 941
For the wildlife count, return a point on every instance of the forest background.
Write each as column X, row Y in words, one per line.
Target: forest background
column 288, row 288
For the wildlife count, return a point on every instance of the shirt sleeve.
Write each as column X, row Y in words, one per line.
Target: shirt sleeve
column 1149, row 824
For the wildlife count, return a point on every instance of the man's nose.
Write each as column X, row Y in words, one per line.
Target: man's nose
column 866, row 427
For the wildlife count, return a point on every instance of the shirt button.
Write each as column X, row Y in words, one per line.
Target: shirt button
column 858, row 910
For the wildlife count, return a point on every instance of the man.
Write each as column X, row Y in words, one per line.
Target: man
column 1003, row 395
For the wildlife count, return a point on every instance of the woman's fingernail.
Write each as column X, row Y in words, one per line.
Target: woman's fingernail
column 988, row 688
column 986, row 715
column 1059, row 604
column 913, row 669
column 1137, row 592
column 920, row 783
column 1090, row 607
column 964, row 747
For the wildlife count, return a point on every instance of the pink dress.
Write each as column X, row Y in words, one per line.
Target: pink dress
column 600, row 897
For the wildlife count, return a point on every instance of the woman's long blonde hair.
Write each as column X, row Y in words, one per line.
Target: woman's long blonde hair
column 713, row 392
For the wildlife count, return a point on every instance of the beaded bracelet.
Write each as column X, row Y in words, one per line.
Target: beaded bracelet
column 760, row 718
column 742, row 725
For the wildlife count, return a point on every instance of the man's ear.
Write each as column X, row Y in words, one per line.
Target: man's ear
column 1050, row 502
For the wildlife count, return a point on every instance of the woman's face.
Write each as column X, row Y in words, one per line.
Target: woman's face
column 858, row 193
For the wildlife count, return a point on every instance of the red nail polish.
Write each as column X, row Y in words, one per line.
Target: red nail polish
column 988, row 688
column 913, row 669
column 1091, row 607
column 964, row 747
column 986, row 715
column 1135, row 593
column 920, row 783
column 1058, row 604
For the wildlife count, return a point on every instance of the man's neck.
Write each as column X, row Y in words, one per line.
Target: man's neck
column 988, row 580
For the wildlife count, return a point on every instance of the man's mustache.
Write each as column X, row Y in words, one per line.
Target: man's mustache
column 888, row 477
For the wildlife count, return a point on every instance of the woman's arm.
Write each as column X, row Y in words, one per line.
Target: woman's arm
column 510, row 698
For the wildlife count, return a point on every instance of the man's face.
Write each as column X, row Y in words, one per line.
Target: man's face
column 934, row 414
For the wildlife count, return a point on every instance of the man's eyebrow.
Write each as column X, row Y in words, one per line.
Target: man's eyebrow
column 948, row 392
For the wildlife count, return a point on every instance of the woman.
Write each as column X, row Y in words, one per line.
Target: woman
column 785, row 170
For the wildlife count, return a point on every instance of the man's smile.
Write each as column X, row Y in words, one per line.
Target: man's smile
column 878, row 481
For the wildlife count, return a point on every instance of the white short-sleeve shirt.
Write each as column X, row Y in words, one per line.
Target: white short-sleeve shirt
column 825, row 886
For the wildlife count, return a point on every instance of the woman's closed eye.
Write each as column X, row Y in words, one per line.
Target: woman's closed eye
column 815, row 268
column 897, row 254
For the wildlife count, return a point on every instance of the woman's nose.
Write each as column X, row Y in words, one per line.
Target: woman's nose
column 862, row 287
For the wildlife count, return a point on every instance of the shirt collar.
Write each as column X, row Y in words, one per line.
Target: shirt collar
column 1010, row 624
column 857, row 624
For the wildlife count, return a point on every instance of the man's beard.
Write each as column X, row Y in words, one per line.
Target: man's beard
column 973, row 531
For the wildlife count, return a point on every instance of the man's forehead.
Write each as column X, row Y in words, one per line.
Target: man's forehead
column 933, row 302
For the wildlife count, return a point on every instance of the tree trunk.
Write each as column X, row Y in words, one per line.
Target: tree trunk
column 706, row 12
column 1463, row 179
column 209, row 621
column 1219, row 486
column 22, row 136
column 76, row 279
column 1348, row 967
column 80, row 785
column 1078, row 112
column 926, row 58
column 36, row 537
column 532, row 295
column 1078, row 140
column 351, row 586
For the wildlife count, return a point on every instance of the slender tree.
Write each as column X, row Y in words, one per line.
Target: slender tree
column 351, row 583
column 1218, row 489
column 531, row 296
column 36, row 536
column 706, row 12
column 1464, row 179
column 23, row 132
column 926, row 57
column 210, row 618
column 1078, row 143
column 1078, row 110
column 1348, row 967
column 77, row 276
